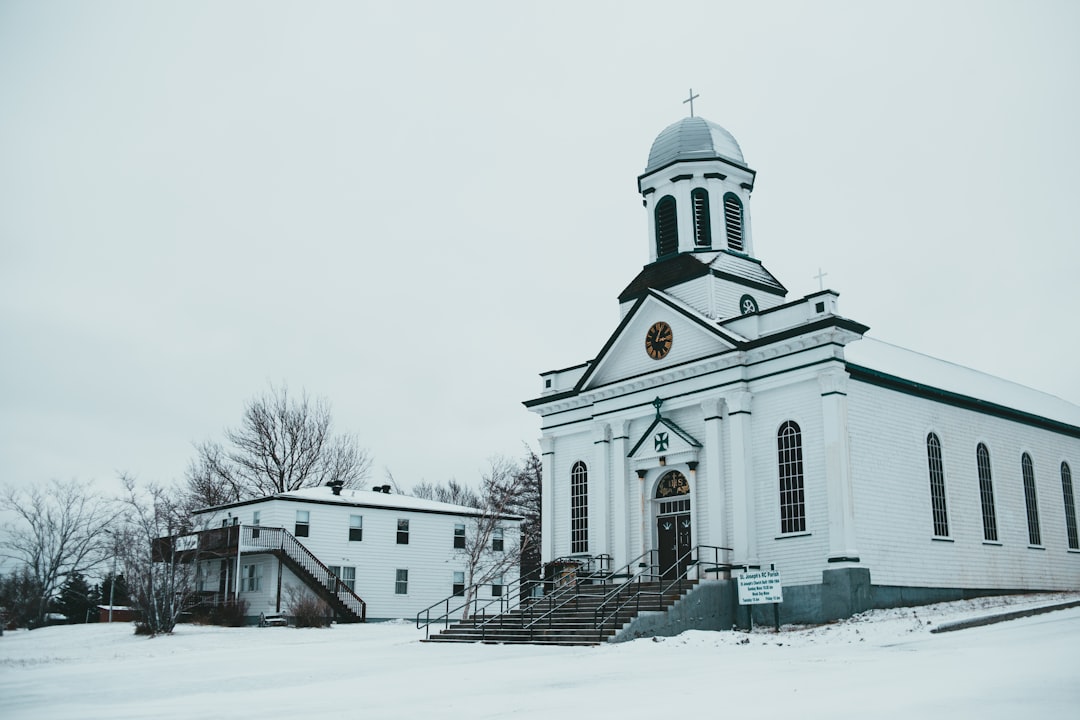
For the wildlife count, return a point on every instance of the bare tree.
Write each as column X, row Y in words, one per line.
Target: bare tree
column 452, row 492
column 157, row 559
column 486, row 560
column 528, row 505
column 60, row 529
column 283, row 443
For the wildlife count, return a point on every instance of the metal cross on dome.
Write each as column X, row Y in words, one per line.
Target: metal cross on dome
column 691, row 101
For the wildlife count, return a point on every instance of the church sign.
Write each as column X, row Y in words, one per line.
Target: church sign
column 762, row 587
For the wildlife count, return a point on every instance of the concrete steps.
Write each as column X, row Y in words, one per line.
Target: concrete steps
column 573, row 622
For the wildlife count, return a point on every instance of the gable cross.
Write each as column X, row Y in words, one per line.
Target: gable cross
column 821, row 279
column 656, row 404
column 691, row 100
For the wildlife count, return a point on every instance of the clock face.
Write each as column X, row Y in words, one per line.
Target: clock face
column 658, row 340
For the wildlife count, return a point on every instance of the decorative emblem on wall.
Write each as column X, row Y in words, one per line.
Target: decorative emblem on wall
column 660, row 442
column 674, row 483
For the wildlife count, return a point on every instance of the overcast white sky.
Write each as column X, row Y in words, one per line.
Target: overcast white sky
column 413, row 209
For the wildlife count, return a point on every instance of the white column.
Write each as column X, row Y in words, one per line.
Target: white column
column 743, row 526
column 547, row 499
column 639, row 514
column 623, row 488
column 833, row 384
column 713, row 478
column 599, row 491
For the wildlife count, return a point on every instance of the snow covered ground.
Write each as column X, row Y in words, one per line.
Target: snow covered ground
column 884, row 664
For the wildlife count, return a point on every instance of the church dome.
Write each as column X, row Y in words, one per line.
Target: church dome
column 693, row 138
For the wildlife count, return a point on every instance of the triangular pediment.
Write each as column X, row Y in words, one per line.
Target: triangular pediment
column 664, row 439
column 627, row 354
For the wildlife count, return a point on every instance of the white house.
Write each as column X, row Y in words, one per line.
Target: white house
column 396, row 553
column 722, row 414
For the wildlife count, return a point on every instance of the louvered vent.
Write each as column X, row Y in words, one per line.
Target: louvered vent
column 702, row 229
column 733, row 219
column 667, row 227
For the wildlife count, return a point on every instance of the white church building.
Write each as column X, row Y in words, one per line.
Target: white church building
column 720, row 413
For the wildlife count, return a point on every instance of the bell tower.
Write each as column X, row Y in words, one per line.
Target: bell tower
column 696, row 189
column 696, row 192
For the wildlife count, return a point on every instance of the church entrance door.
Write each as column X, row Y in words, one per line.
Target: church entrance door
column 673, row 524
column 673, row 543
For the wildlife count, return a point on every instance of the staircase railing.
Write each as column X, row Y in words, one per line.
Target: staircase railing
column 631, row 592
column 256, row 538
column 570, row 593
column 452, row 607
column 522, row 593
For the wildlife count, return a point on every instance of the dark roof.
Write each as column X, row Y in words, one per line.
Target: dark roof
column 663, row 274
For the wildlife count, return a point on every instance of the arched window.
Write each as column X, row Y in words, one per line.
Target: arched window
column 699, row 199
column 986, row 493
column 937, row 486
column 667, row 227
column 1070, row 506
column 792, row 495
column 733, row 219
column 579, row 508
column 1030, row 499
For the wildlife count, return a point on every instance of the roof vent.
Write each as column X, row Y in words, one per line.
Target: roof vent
column 335, row 486
column 381, row 489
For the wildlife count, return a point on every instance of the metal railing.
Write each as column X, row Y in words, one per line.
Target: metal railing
column 273, row 539
column 523, row 593
column 632, row 591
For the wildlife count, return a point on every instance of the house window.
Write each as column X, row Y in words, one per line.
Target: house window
column 459, row 583
column 937, row 486
column 402, row 532
column 733, row 219
column 303, row 523
column 1031, row 500
column 200, row 578
column 356, row 528
column 699, row 200
column 250, row 577
column 459, row 535
column 792, row 493
column 497, row 539
column 401, row 582
column 986, row 493
column 579, row 508
column 667, row 227
column 255, row 522
column 497, row 585
column 1070, row 506
column 347, row 575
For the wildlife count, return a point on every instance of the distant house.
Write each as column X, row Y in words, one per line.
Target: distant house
column 369, row 554
column 120, row 613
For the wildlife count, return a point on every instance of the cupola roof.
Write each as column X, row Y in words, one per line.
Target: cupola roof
column 693, row 138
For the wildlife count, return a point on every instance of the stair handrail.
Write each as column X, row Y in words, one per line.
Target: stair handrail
column 600, row 623
column 573, row 592
column 261, row 537
column 511, row 591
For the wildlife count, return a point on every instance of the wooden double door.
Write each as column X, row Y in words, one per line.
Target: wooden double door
column 673, row 544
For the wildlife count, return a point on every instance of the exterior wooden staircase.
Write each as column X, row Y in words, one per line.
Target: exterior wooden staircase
column 233, row 540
